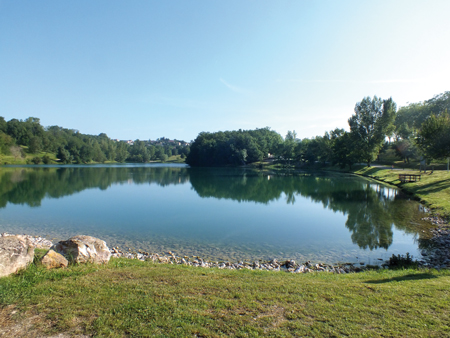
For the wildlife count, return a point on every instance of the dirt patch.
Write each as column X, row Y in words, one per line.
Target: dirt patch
column 276, row 313
column 14, row 324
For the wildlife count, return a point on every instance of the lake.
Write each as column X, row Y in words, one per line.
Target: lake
column 215, row 213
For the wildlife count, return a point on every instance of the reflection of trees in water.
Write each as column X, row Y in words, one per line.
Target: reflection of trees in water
column 31, row 185
column 371, row 209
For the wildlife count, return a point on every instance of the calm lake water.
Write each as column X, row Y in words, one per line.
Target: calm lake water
column 220, row 214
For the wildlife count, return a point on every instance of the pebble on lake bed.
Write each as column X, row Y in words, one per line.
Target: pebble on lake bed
column 36, row 241
column 272, row 265
column 437, row 257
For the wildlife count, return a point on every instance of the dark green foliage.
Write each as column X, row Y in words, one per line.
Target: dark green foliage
column 121, row 152
column 46, row 159
column 35, row 145
column 3, row 125
column 402, row 262
column 29, row 187
column 64, row 156
column 232, row 147
column 434, row 137
column 371, row 123
column 409, row 119
column 36, row 160
column 6, row 142
column 344, row 151
column 70, row 145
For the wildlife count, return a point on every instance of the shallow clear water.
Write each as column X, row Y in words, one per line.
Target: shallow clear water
column 220, row 214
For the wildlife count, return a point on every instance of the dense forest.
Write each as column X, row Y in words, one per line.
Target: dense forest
column 233, row 147
column 18, row 137
column 418, row 130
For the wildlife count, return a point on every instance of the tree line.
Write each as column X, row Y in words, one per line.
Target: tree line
column 71, row 146
column 233, row 147
column 416, row 131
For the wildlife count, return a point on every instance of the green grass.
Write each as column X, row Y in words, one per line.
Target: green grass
column 433, row 189
column 143, row 299
column 9, row 159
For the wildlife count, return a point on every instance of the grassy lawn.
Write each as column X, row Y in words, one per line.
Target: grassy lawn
column 9, row 159
column 143, row 299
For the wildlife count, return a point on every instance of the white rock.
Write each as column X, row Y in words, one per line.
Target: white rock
column 82, row 249
column 15, row 254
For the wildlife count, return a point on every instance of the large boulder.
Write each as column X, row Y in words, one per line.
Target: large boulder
column 53, row 259
column 15, row 254
column 82, row 249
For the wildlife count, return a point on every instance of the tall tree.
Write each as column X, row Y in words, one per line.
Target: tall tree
column 370, row 125
column 434, row 137
column 3, row 125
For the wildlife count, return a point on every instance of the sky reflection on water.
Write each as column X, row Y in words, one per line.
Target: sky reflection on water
column 215, row 213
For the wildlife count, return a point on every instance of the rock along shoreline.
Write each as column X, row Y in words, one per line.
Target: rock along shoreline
column 437, row 257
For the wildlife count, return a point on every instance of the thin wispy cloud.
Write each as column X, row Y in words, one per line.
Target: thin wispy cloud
column 235, row 88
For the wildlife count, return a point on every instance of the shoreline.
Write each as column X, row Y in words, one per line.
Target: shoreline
column 437, row 257
column 170, row 258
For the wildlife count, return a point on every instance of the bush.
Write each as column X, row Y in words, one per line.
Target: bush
column 402, row 262
column 46, row 159
column 36, row 160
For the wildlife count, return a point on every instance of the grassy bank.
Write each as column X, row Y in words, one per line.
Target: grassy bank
column 433, row 190
column 28, row 159
column 142, row 299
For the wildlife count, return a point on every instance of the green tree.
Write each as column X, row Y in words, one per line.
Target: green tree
column 121, row 152
column 64, row 155
column 6, row 142
column 3, row 125
column 288, row 148
column 85, row 153
column 46, row 159
column 344, row 150
column 434, row 137
column 36, row 160
column 163, row 157
column 35, row 145
column 370, row 124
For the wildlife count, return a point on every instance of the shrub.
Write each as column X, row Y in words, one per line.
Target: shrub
column 402, row 262
column 36, row 160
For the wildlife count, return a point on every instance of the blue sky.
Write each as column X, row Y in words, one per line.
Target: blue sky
column 148, row 69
